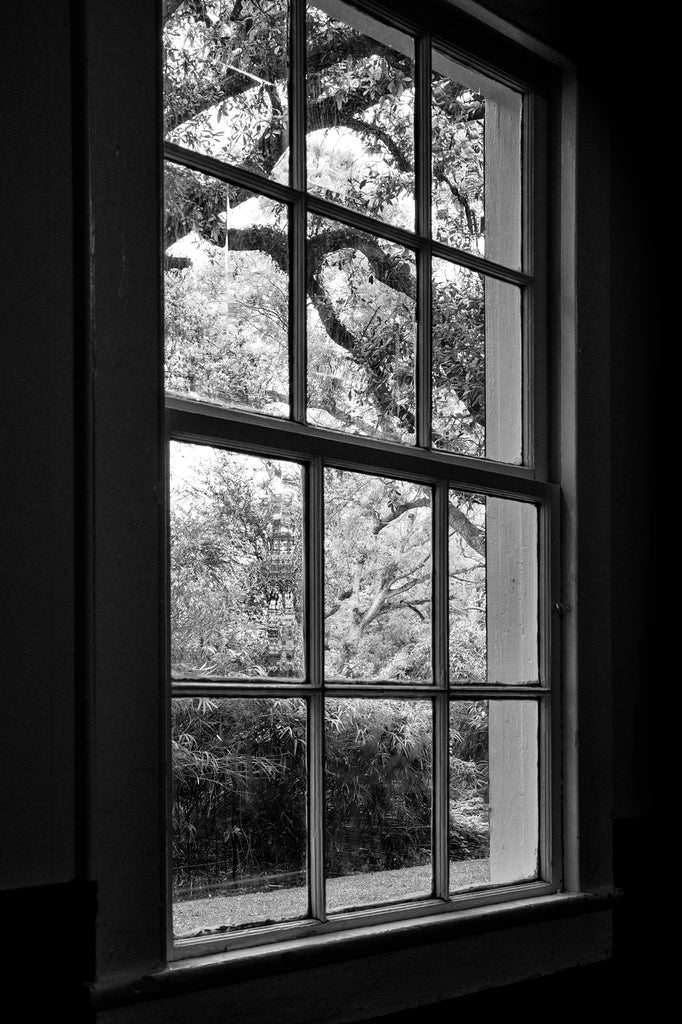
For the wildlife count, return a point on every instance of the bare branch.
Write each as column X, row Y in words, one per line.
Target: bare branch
column 380, row 522
column 472, row 534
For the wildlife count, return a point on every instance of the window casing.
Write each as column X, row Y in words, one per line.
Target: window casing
column 521, row 505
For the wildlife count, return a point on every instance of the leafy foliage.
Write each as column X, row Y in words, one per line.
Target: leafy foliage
column 239, row 764
column 239, row 789
column 226, row 95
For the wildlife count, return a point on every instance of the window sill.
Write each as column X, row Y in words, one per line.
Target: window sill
column 358, row 973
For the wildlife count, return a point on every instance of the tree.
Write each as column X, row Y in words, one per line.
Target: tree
column 239, row 764
column 227, row 313
column 225, row 94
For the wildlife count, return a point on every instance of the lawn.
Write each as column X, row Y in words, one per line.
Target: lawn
column 222, row 912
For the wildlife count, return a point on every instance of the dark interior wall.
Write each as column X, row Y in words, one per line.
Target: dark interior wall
column 37, row 647
column 36, row 481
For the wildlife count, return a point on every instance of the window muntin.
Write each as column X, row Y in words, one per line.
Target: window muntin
column 478, row 474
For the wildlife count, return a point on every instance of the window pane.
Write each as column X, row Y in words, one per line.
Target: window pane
column 239, row 812
column 467, row 587
column 378, row 801
column 493, row 795
column 226, row 294
column 236, row 564
column 476, row 162
column 360, row 114
column 225, row 82
column 377, row 578
column 361, row 333
column 493, row 553
column 477, row 357
column 512, row 591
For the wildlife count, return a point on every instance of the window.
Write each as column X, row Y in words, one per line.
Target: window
column 362, row 532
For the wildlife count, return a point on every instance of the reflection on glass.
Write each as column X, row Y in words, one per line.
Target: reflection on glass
column 476, row 162
column 361, row 332
column 378, row 801
column 239, row 812
column 493, row 796
column 476, row 364
column 225, row 82
column 467, row 587
column 226, row 295
column 493, row 587
column 360, row 112
column 236, row 526
column 377, row 578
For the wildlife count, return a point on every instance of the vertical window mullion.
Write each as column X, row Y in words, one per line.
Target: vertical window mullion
column 297, row 136
column 441, row 881
column 549, row 631
column 441, row 874
column 315, row 674
column 423, row 218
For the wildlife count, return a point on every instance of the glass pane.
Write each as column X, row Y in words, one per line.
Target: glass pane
column 477, row 364
column 361, row 333
column 476, row 162
column 239, row 813
column 377, row 578
column 236, row 525
column 225, row 82
column 226, row 294
column 493, row 573
column 360, row 113
column 493, row 796
column 378, row 801
column 512, row 584
column 467, row 587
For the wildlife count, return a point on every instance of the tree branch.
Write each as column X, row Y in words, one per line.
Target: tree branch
column 386, row 268
column 473, row 535
column 383, row 135
column 380, row 522
column 341, row 336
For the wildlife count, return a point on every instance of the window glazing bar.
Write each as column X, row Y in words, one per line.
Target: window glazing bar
column 480, row 264
column 210, row 687
column 297, row 155
column 440, row 627
column 201, row 424
column 314, row 641
column 422, row 168
column 350, row 218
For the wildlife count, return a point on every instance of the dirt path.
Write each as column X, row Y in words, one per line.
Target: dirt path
column 192, row 917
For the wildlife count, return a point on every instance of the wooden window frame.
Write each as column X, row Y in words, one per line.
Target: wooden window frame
column 121, row 677
column 204, row 423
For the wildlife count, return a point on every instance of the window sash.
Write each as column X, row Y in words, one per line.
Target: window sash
column 439, row 691
column 200, row 422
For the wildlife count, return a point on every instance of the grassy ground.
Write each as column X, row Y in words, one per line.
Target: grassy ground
column 375, row 887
